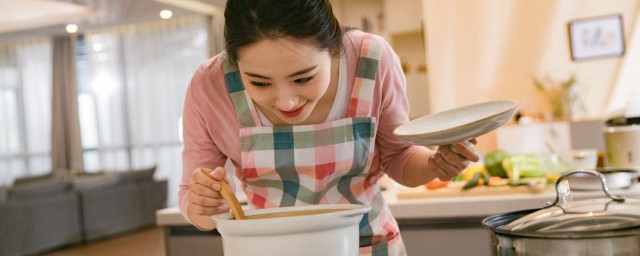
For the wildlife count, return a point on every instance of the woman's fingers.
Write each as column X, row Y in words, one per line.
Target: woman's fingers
column 469, row 153
column 207, row 201
column 219, row 173
column 199, row 189
column 446, row 171
column 209, row 210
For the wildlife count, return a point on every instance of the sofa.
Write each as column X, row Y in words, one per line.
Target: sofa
column 120, row 201
column 38, row 214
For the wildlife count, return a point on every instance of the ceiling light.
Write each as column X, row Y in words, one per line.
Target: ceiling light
column 97, row 47
column 166, row 14
column 71, row 28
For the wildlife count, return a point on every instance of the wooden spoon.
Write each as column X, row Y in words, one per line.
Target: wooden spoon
column 228, row 196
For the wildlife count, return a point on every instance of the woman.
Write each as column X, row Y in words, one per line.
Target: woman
column 305, row 111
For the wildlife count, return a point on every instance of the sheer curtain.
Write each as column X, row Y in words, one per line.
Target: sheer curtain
column 25, row 109
column 131, row 98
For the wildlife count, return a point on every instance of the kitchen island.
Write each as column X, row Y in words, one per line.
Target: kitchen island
column 429, row 226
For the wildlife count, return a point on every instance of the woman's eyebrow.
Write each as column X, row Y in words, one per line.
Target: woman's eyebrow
column 303, row 71
column 297, row 73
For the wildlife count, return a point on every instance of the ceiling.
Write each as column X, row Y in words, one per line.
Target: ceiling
column 28, row 18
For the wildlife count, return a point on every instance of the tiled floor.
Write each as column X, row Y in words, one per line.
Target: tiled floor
column 147, row 242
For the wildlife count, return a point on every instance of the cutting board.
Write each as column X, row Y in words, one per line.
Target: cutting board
column 422, row 192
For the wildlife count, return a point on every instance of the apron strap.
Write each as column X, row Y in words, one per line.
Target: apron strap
column 245, row 110
column 362, row 94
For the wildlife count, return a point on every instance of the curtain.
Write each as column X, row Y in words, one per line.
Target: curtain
column 25, row 109
column 66, row 154
column 131, row 100
column 625, row 95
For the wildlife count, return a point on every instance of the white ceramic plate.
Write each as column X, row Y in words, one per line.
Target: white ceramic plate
column 457, row 125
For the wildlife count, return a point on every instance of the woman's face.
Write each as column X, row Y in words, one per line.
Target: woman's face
column 285, row 77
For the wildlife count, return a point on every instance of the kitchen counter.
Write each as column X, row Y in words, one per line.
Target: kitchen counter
column 482, row 206
column 448, row 207
column 434, row 224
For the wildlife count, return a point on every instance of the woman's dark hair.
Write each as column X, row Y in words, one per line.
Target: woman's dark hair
column 249, row 21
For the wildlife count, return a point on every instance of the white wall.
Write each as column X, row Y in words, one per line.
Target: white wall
column 352, row 12
column 481, row 50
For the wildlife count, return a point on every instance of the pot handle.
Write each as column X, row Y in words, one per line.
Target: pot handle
column 618, row 198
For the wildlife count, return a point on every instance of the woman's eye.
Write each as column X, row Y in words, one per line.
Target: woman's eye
column 259, row 84
column 304, row 80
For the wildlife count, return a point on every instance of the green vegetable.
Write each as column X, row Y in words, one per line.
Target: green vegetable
column 472, row 182
column 524, row 166
column 493, row 162
column 486, row 177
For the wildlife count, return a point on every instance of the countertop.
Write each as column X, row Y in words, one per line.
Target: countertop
column 448, row 207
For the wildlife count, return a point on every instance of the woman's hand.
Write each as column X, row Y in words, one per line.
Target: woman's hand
column 446, row 164
column 204, row 196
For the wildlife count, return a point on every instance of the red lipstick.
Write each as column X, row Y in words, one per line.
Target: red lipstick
column 294, row 112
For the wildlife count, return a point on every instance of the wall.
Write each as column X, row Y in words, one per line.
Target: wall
column 479, row 50
column 411, row 51
column 352, row 12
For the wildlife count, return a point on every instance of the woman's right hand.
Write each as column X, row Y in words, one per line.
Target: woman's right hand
column 204, row 196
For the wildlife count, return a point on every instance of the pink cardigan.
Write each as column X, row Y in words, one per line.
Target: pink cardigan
column 210, row 126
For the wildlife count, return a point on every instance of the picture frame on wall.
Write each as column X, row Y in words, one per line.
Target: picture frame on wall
column 596, row 37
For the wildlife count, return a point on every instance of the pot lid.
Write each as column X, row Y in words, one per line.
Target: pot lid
column 623, row 121
column 564, row 215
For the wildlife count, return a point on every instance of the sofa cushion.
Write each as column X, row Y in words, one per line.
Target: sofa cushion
column 137, row 175
column 38, row 188
column 35, row 178
column 3, row 194
column 94, row 181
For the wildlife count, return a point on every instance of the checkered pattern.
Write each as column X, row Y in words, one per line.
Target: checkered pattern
column 324, row 163
column 245, row 111
column 360, row 102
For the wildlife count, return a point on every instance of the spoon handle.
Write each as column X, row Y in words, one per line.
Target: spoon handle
column 228, row 196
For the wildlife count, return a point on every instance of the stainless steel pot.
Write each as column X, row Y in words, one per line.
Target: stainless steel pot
column 605, row 226
column 616, row 178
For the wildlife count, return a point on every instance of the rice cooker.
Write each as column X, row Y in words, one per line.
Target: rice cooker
column 622, row 142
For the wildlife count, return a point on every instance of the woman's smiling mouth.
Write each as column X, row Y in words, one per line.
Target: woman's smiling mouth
column 294, row 112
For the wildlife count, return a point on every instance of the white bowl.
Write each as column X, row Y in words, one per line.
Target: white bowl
column 334, row 233
column 457, row 125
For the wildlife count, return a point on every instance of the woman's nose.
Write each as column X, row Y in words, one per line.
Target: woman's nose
column 287, row 100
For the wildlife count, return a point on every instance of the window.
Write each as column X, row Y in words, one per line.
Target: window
column 132, row 81
column 25, row 109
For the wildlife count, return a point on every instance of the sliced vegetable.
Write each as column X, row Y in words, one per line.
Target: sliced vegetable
column 472, row 182
column 497, row 181
column 468, row 173
column 437, row 183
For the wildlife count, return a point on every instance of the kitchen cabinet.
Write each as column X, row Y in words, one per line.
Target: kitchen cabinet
column 559, row 135
column 446, row 237
column 402, row 16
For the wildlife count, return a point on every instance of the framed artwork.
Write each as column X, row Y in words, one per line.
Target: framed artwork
column 596, row 37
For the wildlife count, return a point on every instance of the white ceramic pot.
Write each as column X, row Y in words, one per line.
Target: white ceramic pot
column 335, row 233
column 623, row 146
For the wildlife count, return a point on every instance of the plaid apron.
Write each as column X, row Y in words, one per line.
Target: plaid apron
column 324, row 163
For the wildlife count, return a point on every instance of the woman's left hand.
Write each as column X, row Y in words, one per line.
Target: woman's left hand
column 446, row 164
